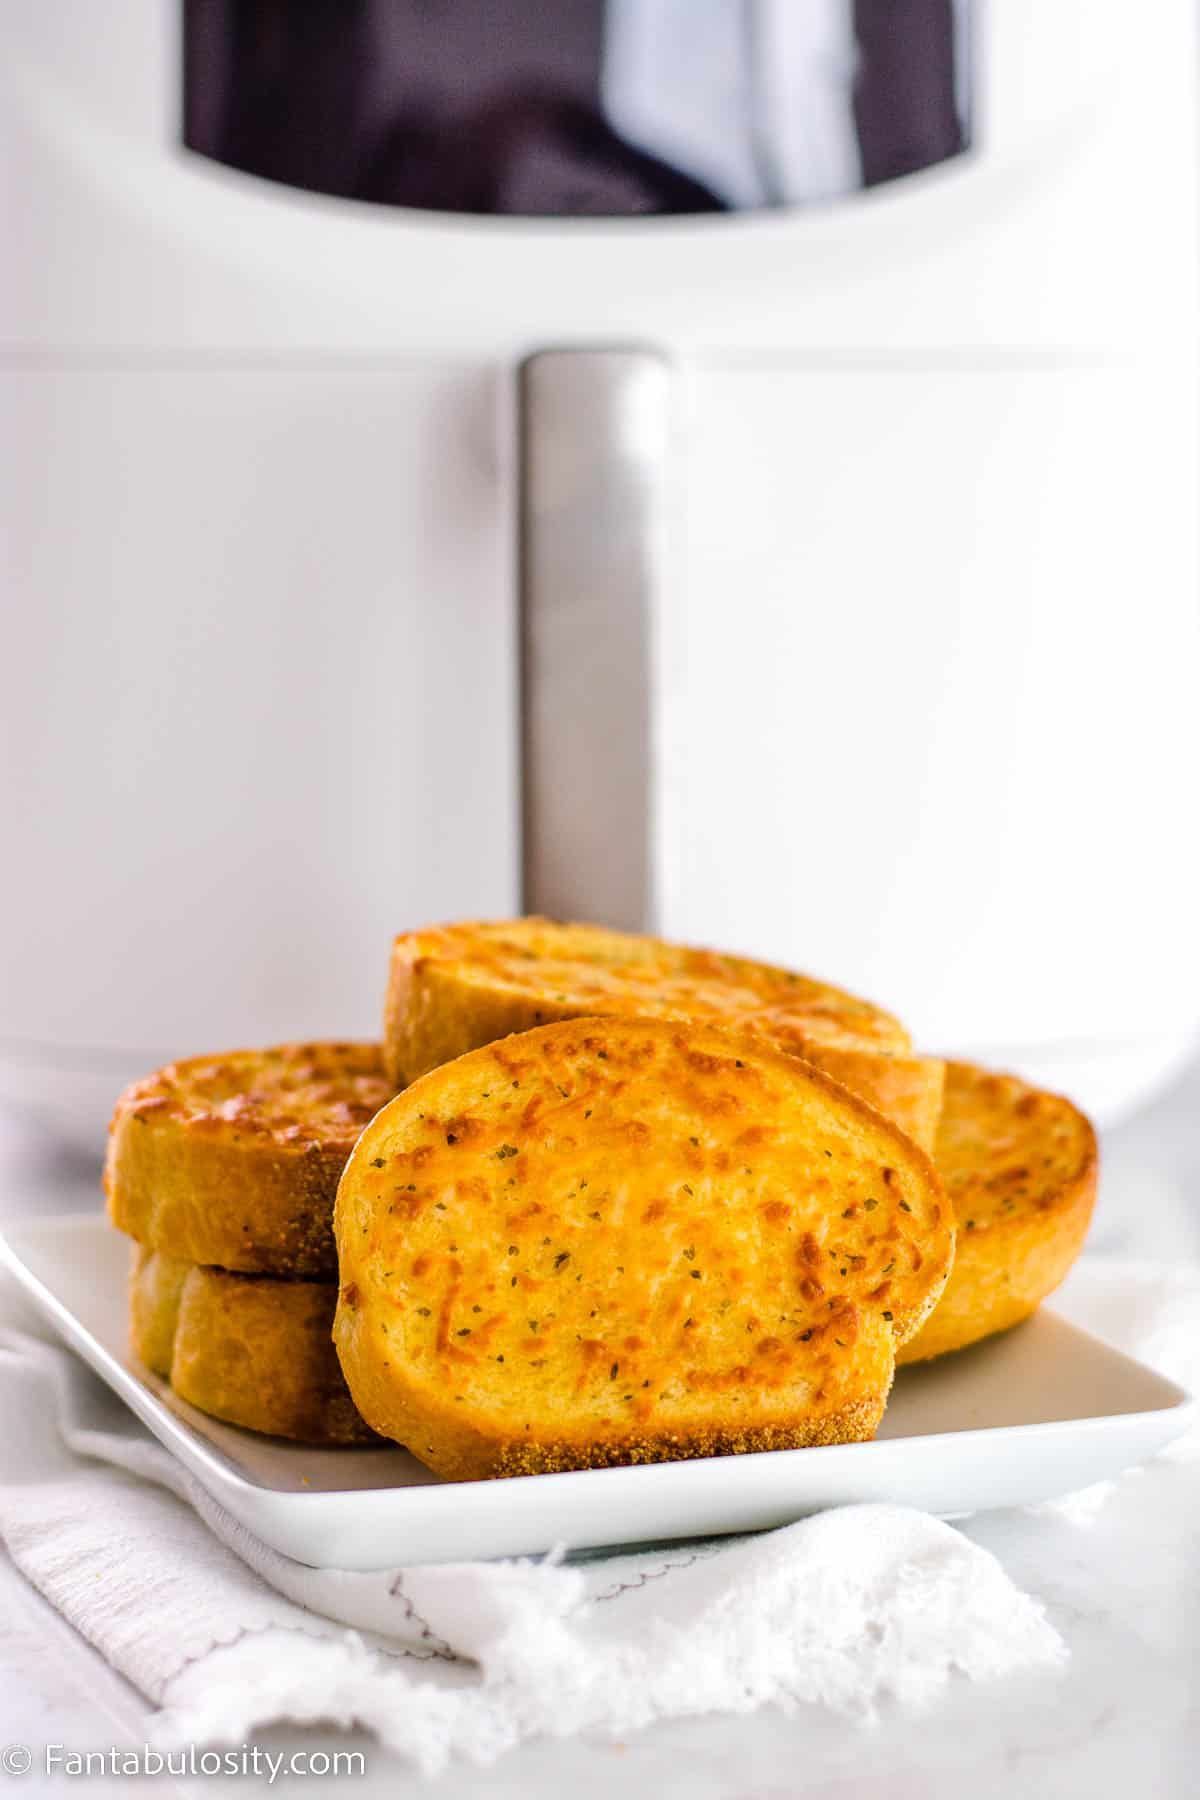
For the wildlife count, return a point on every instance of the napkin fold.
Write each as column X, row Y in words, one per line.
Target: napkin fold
column 223, row 1635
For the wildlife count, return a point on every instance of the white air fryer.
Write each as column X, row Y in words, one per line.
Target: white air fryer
column 723, row 467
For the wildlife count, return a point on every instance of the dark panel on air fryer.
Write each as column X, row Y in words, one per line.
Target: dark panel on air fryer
column 578, row 108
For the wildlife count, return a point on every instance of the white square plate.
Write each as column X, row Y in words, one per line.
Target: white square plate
column 1037, row 1412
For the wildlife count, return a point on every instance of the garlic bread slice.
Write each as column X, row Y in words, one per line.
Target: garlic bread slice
column 234, row 1159
column 455, row 987
column 1020, row 1167
column 629, row 1240
column 252, row 1350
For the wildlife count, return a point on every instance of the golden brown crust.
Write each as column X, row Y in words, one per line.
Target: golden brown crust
column 905, row 1089
column 233, row 1160
column 619, row 1240
column 1021, row 1168
column 250, row 1349
column 854, row 1423
column 453, row 988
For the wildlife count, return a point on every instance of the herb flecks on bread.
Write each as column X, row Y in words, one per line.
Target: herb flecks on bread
column 623, row 1240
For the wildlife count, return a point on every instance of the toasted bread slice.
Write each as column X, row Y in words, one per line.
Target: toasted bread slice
column 455, row 987
column 234, row 1160
column 629, row 1240
column 1021, row 1168
column 250, row 1349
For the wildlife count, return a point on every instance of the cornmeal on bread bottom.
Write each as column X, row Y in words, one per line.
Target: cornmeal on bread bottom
column 1021, row 1168
column 249, row 1349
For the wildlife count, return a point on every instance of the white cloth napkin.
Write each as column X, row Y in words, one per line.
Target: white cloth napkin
column 224, row 1636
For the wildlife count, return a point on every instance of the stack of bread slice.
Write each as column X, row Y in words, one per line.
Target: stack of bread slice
column 223, row 1170
column 616, row 1200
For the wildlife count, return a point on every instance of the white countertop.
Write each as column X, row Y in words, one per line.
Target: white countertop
column 1123, row 1589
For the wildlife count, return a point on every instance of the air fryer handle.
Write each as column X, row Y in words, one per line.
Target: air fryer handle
column 594, row 428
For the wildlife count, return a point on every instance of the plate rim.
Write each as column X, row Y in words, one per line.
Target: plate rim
column 190, row 1446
